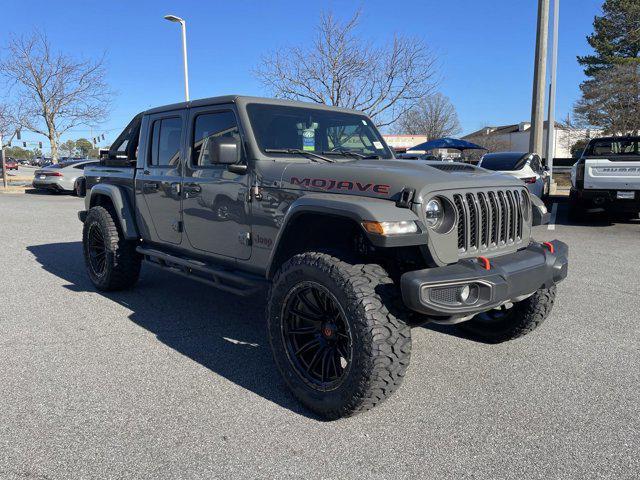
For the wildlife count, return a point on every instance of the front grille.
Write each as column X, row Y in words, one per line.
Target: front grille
column 489, row 219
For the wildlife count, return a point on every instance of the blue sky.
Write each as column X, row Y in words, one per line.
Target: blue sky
column 485, row 49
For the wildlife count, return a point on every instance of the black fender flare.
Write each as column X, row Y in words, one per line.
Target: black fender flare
column 541, row 215
column 355, row 208
column 121, row 205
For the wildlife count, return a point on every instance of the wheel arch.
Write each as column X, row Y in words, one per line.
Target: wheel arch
column 112, row 196
column 337, row 220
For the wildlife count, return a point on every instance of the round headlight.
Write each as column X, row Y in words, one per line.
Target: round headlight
column 434, row 213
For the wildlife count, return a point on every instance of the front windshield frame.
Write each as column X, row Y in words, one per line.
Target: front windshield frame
column 370, row 142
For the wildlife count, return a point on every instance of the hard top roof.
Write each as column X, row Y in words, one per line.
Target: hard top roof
column 244, row 100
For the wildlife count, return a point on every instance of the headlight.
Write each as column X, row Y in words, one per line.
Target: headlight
column 434, row 213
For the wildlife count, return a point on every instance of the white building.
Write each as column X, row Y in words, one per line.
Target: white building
column 515, row 138
column 402, row 143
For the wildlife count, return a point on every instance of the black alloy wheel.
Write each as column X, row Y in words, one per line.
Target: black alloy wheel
column 97, row 251
column 316, row 335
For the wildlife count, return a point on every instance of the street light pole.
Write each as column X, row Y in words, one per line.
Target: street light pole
column 183, row 25
column 551, row 131
column 539, row 80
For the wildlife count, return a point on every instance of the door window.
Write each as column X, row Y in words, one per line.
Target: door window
column 210, row 126
column 165, row 142
column 535, row 164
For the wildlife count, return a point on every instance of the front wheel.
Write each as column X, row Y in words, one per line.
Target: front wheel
column 511, row 320
column 335, row 341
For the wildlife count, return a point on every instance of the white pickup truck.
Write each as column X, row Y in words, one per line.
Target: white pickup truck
column 607, row 176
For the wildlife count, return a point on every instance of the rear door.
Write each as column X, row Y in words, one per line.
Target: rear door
column 158, row 181
column 214, row 205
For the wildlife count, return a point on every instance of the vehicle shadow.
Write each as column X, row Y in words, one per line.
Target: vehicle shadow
column 221, row 332
column 593, row 218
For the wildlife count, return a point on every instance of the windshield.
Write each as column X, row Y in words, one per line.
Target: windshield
column 504, row 162
column 281, row 127
column 616, row 147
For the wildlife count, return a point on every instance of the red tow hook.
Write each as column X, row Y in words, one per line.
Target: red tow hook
column 550, row 246
column 485, row 263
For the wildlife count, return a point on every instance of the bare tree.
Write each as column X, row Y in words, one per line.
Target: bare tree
column 7, row 127
column 611, row 100
column 433, row 116
column 55, row 92
column 343, row 69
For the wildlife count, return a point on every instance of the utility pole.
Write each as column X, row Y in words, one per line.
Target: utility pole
column 551, row 131
column 539, row 78
column 4, row 167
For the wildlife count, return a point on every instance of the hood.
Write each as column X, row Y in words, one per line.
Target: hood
column 387, row 178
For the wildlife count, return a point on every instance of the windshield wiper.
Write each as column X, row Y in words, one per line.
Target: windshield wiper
column 311, row 155
column 349, row 153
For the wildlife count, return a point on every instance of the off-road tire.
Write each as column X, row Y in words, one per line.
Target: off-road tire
column 122, row 265
column 381, row 342
column 523, row 318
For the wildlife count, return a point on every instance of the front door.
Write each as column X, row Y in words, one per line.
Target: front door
column 158, row 181
column 214, row 203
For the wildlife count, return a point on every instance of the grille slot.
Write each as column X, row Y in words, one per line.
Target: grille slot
column 462, row 229
column 488, row 220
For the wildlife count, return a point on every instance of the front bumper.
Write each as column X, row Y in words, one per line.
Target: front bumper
column 437, row 292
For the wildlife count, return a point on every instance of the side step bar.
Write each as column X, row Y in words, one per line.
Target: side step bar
column 238, row 284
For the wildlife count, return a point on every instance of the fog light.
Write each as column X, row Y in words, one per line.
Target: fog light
column 468, row 294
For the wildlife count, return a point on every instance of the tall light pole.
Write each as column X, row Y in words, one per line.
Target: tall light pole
column 551, row 130
column 183, row 25
column 539, row 79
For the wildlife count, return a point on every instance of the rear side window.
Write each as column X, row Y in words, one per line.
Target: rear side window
column 165, row 142
column 207, row 127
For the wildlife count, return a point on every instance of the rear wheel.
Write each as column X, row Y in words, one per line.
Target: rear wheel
column 511, row 320
column 111, row 261
column 335, row 341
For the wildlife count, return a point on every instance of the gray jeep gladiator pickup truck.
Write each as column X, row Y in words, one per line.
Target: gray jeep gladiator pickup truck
column 356, row 246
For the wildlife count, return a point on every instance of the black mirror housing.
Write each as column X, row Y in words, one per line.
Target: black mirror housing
column 224, row 150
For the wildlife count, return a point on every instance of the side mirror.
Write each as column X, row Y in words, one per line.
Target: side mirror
column 223, row 150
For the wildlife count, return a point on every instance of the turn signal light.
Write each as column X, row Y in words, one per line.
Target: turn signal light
column 390, row 228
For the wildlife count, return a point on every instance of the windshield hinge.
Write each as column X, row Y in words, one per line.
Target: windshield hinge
column 406, row 198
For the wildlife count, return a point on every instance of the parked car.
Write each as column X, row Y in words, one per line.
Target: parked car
column 62, row 177
column 524, row 166
column 416, row 156
column 355, row 247
column 11, row 164
column 607, row 176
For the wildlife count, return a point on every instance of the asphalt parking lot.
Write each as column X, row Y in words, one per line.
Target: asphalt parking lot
column 176, row 380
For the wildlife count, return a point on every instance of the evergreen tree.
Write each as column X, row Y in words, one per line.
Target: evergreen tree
column 616, row 37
